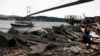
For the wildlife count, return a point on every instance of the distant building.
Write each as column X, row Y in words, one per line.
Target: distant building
column 97, row 19
column 11, row 18
column 89, row 20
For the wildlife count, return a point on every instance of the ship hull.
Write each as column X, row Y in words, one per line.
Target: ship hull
column 22, row 24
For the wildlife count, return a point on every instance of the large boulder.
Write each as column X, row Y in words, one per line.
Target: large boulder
column 6, row 40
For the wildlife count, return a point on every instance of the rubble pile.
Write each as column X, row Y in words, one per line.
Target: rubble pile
column 58, row 41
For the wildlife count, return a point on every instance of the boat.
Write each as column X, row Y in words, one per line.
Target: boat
column 22, row 24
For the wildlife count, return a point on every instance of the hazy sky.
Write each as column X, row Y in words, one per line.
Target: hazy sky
column 19, row 7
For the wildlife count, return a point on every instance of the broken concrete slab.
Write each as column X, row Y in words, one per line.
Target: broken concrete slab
column 38, row 48
column 6, row 40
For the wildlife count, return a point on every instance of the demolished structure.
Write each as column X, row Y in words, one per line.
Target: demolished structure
column 56, row 41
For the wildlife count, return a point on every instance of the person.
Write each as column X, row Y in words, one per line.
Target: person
column 87, row 38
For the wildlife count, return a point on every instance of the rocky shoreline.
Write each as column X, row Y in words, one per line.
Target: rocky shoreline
column 56, row 41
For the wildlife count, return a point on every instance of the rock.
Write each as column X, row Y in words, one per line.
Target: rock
column 76, row 49
column 94, row 47
column 12, row 31
column 38, row 49
column 48, row 53
column 6, row 40
column 96, row 40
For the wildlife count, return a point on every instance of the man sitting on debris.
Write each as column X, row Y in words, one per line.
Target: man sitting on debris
column 87, row 38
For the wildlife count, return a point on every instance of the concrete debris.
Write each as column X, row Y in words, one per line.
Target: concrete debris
column 38, row 48
column 6, row 40
column 58, row 41
column 76, row 49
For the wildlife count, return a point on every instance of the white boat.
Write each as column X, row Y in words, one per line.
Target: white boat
column 22, row 24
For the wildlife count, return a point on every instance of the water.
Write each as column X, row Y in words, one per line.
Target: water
column 5, row 25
